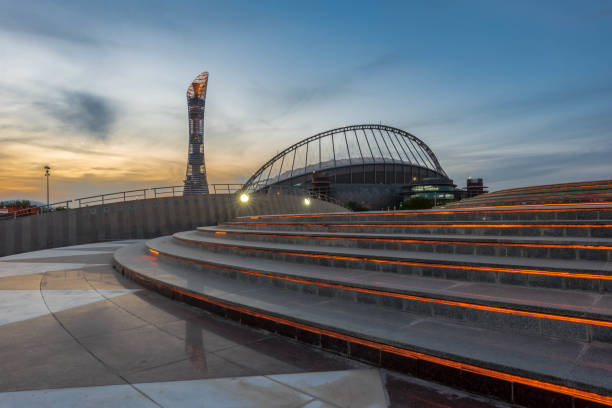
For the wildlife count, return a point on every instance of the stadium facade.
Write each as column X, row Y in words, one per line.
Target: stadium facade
column 195, row 178
column 369, row 165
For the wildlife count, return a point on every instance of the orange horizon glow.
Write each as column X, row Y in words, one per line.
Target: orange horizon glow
column 81, row 169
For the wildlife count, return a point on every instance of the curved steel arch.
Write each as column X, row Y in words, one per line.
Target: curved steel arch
column 433, row 160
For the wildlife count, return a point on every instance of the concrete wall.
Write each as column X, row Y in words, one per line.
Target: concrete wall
column 141, row 219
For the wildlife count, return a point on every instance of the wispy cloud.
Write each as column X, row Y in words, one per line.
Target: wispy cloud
column 571, row 94
column 82, row 111
column 306, row 93
column 33, row 23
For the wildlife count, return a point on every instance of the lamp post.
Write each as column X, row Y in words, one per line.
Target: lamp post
column 47, row 174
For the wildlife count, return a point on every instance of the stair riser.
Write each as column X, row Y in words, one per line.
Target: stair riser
column 460, row 249
column 453, row 272
column 470, row 316
column 491, row 231
column 421, row 366
column 560, row 196
column 542, row 201
column 459, row 216
column 585, row 195
column 595, row 195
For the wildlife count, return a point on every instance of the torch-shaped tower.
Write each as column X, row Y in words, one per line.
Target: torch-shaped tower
column 195, row 180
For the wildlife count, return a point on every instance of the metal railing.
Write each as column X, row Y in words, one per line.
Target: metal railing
column 121, row 196
column 156, row 192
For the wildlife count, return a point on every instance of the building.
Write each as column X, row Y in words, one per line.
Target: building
column 474, row 187
column 439, row 190
column 195, row 178
column 367, row 165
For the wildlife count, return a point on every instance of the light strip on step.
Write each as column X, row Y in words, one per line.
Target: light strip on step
column 409, row 263
column 496, row 309
column 432, row 225
column 561, row 389
column 418, row 241
column 438, row 212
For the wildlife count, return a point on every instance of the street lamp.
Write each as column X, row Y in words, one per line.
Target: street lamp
column 244, row 198
column 47, row 174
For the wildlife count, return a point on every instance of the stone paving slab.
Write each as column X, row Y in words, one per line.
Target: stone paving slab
column 334, row 389
column 543, row 300
column 45, row 361
column 436, row 257
column 560, row 361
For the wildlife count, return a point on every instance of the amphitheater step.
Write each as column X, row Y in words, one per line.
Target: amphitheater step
column 554, row 313
column 530, row 247
column 518, row 213
column 508, row 365
column 558, row 194
column 552, row 273
column 595, row 229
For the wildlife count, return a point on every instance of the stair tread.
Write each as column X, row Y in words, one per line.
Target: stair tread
column 442, row 223
column 459, row 210
column 542, row 300
column 434, row 257
column 427, row 237
column 572, row 363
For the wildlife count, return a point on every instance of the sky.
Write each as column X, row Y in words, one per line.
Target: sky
column 519, row 93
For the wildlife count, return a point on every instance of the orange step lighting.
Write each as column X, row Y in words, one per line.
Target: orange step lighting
column 405, row 352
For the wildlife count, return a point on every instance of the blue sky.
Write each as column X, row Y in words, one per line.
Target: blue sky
column 519, row 93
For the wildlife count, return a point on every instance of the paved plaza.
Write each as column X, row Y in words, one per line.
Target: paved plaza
column 74, row 332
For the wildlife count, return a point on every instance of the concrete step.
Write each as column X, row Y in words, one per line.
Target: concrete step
column 520, row 202
column 595, row 191
column 581, row 195
column 509, row 213
column 552, row 313
column 537, row 272
column 520, row 368
column 561, row 193
column 603, row 198
column 528, row 247
column 569, row 188
column 576, row 229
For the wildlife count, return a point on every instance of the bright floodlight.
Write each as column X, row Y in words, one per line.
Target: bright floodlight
column 307, row 201
column 244, row 197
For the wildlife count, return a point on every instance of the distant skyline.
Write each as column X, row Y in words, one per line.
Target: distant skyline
column 519, row 93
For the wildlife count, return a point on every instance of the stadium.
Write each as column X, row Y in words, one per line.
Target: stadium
column 370, row 165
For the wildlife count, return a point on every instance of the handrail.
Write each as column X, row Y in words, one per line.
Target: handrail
column 157, row 192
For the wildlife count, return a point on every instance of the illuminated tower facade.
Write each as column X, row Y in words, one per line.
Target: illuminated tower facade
column 195, row 179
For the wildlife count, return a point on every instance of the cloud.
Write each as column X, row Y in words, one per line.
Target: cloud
column 305, row 93
column 83, row 111
column 576, row 94
column 378, row 64
column 34, row 24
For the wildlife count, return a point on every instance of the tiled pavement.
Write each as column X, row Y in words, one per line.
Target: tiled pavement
column 73, row 332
